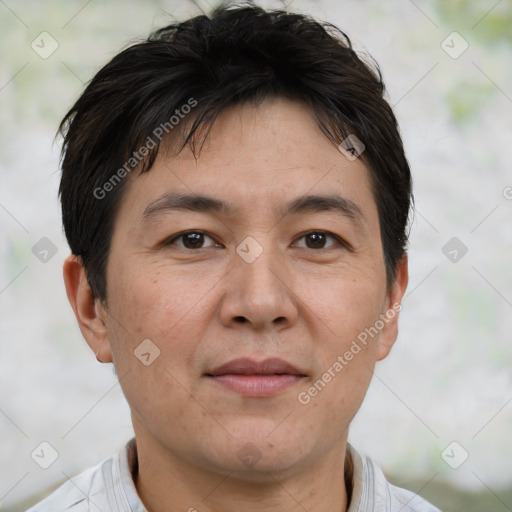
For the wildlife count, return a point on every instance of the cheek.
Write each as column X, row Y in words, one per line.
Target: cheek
column 154, row 338
column 345, row 309
column 154, row 299
column 344, row 303
column 171, row 306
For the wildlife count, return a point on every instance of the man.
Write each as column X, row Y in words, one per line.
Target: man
column 235, row 195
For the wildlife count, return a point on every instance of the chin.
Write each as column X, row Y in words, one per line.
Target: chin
column 260, row 460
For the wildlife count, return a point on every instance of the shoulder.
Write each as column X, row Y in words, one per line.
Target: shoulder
column 84, row 492
column 372, row 491
column 407, row 501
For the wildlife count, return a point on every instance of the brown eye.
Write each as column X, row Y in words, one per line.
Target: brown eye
column 190, row 240
column 317, row 240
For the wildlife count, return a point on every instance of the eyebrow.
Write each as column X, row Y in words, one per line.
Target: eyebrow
column 205, row 204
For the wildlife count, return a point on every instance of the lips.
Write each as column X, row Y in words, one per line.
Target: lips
column 251, row 378
column 246, row 366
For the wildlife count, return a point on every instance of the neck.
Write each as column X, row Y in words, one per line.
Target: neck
column 162, row 479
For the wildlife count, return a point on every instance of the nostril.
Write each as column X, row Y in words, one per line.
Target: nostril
column 240, row 319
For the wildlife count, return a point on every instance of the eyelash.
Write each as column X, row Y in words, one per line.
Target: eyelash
column 340, row 242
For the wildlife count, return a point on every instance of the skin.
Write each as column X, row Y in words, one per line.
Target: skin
column 299, row 300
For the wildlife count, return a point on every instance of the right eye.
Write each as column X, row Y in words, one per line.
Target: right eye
column 192, row 240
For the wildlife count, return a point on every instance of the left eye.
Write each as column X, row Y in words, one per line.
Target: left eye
column 191, row 239
column 318, row 239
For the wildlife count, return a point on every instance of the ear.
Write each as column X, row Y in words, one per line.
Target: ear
column 89, row 311
column 392, row 308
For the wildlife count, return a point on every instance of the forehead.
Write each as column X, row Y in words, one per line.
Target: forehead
column 272, row 156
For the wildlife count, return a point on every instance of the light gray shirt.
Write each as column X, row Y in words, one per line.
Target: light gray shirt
column 109, row 487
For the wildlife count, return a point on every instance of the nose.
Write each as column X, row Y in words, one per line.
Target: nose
column 258, row 292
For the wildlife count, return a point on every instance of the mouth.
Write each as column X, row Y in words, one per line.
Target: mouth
column 256, row 379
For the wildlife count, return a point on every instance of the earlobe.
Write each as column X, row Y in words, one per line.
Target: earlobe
column 89, row 311
column 394, row 297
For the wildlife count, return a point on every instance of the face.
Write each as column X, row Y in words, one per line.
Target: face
column 274, row 273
